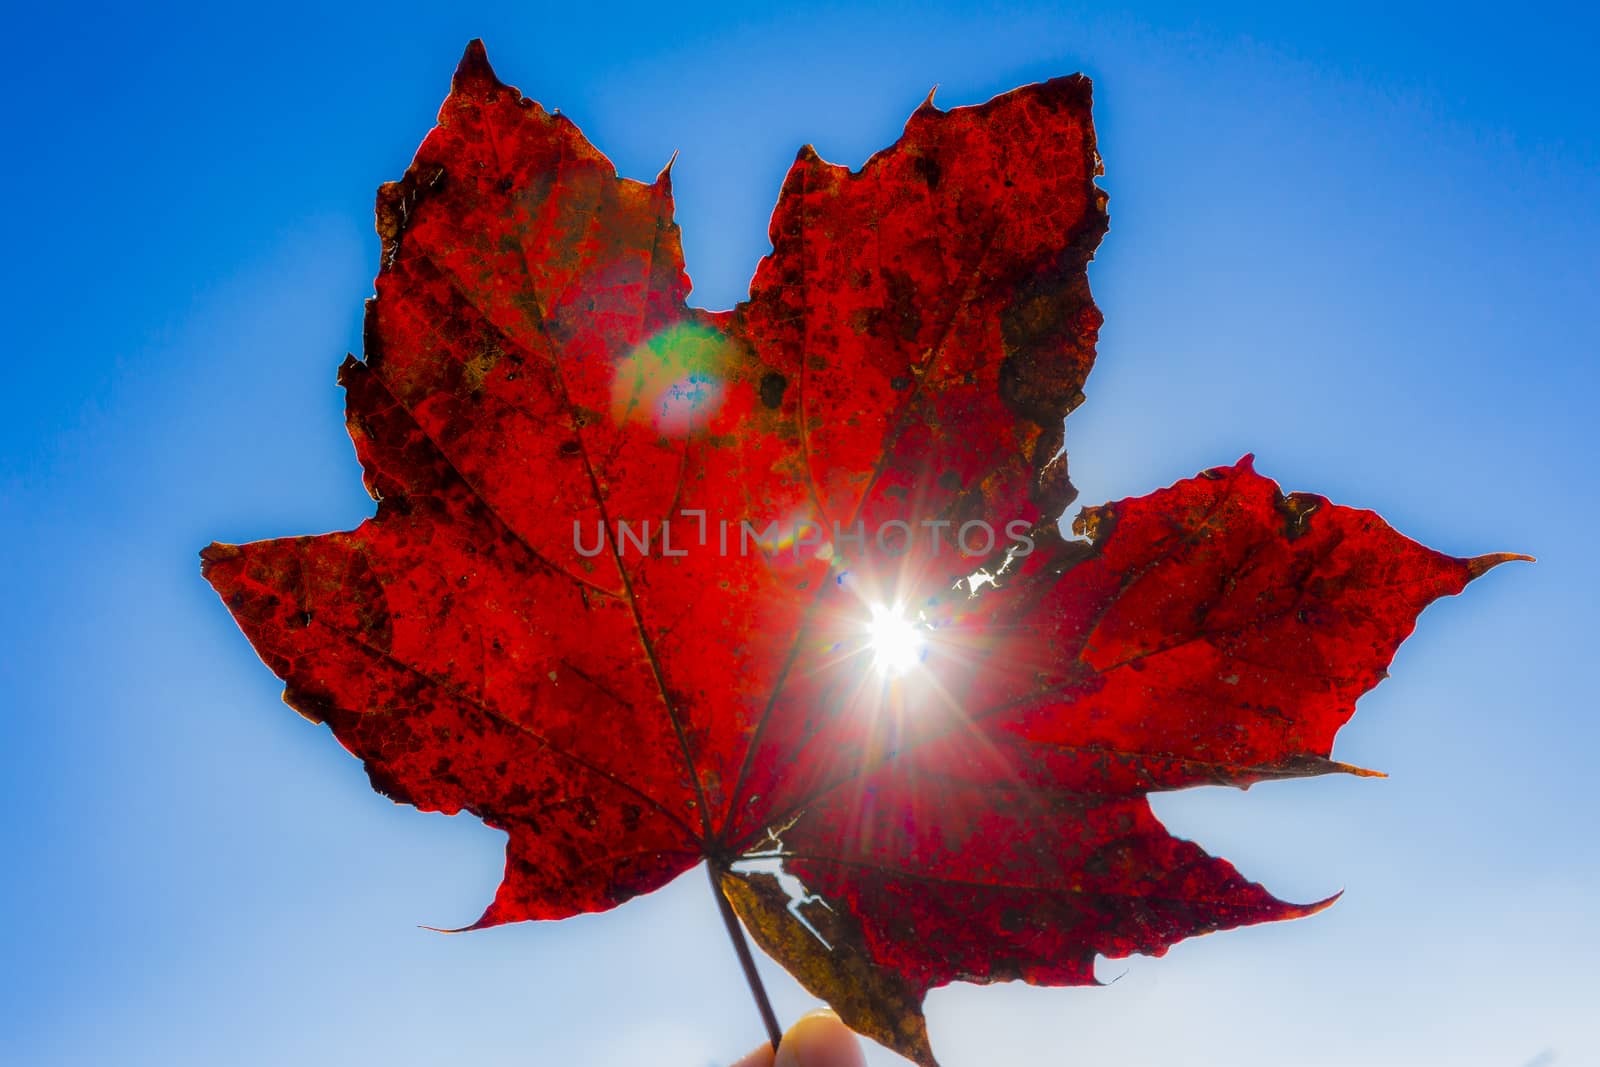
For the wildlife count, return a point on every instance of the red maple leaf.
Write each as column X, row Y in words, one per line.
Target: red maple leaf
column 781, row 588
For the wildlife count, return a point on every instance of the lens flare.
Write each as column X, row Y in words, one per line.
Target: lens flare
column 897, row 643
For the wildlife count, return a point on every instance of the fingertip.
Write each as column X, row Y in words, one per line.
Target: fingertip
column 758, row 1057
column 820, row 1040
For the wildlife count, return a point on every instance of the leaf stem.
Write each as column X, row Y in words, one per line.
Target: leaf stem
column 746, row 960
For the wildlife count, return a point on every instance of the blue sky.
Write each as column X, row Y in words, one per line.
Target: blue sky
column 1358, row 240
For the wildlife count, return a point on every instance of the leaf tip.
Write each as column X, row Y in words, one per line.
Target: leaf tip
column 664, row 179
column 1322, row 905
column 474, row 65
column 1358, row 772
column 216, row 554
column 1479, row 565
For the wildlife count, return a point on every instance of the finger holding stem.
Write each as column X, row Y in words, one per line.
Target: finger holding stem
column 816, row 1040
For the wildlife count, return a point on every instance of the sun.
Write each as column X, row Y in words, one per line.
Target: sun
column 897, row 643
